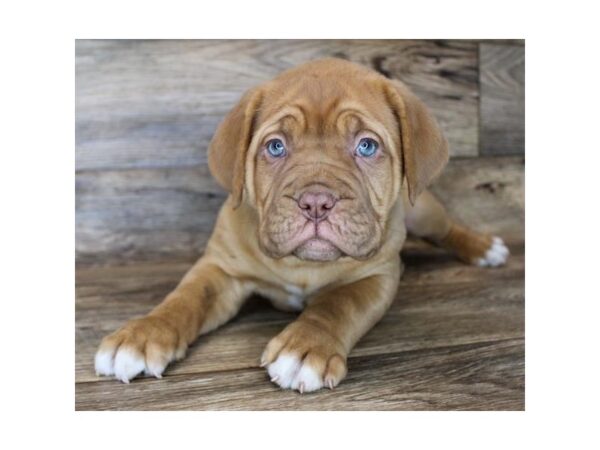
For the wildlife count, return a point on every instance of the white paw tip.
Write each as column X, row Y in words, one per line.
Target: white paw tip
column 283, row 370
column 308, row 378
column 290, row 373
column 496, row 255
column 128, row 364
column 103, row 363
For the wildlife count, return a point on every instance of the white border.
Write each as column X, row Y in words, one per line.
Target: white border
column 562, row 221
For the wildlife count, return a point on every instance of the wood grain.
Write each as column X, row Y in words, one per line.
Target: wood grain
column 148, row 104
column 145, row 214
column 481, row 376
column 502, row 80
column 486, row 193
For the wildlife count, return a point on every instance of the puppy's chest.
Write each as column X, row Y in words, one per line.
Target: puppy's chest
column 288, row 297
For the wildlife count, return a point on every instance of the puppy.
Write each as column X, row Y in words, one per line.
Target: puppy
column 326, row 166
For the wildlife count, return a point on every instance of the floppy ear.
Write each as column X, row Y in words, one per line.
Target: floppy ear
column 424, row 147
column 229, row 146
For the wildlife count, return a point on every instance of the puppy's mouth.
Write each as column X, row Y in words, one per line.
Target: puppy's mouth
column 315, row 242
column 317, row 249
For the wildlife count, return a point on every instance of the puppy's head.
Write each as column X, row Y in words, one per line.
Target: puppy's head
column 321, row 152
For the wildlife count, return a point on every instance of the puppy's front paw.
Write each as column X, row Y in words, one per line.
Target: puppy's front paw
column 305, row 358
column 144, row 345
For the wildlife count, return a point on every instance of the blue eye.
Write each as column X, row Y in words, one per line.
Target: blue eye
column 276, row 148
column 366, row 147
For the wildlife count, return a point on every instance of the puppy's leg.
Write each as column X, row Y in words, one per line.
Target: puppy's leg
column 204, row 299
column 311, row 352
column 428, row 219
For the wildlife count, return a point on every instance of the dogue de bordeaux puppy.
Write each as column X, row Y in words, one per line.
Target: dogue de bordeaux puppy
column 326, row 166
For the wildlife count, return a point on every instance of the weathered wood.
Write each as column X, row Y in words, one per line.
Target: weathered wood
column 502, row 84
column 519, row 42
column 144, row 104
column 145, row 214
column 480, row 376
column 487, row 194
column 441, row 310
column 129, row 215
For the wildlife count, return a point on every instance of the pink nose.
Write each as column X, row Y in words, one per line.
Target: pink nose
column 316, row 205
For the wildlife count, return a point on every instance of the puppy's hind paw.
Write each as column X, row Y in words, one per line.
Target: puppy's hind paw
column 476, row 248
column 496, row 255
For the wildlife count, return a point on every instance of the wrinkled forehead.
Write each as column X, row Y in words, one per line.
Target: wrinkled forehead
column 324, row 105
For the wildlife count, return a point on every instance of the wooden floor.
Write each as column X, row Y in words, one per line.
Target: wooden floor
column 453, row 339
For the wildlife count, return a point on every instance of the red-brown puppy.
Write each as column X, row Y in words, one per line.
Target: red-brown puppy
column 327, row 167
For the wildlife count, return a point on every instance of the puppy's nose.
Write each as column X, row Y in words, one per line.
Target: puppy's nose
column 316, row 205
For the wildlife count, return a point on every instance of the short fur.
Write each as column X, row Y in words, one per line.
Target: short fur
column 343, row 271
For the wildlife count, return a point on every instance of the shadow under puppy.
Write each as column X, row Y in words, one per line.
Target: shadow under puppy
column 327, row 167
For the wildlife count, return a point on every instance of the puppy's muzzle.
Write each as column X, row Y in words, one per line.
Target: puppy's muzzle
column 316, row 204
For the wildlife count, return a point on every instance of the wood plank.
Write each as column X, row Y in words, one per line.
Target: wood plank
column 520, row 42
column 149, row 104
column 168, row 214
column 145, row 214
column 481, row 376
column 440, row 303
column 487, row 194
column 502, row 80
